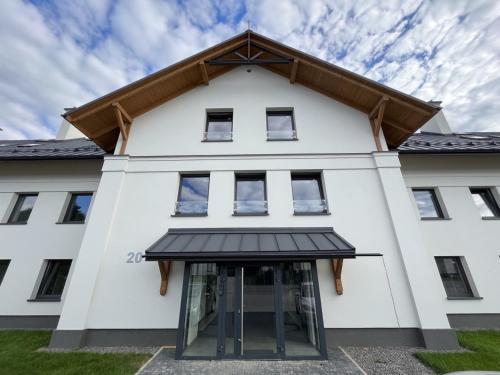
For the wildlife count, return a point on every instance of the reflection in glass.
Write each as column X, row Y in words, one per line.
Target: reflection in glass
column 231, row 308
column 22, row 209
column 250, row 194
column 54, row 279
column 219, row 126
column 308, row 193
column 193, row 195
column 485, row 202
column 427, row 203
column 280, row 125
column 453, row 277
column 299, row 310
column 259, row 331
column 78, row 208
column 200, row 326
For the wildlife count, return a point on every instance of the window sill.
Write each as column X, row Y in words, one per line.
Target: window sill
column 14, row 223
column 311, row 213
column 435, row 218
column 44, row 300
column 491, row 218
column 216, row 140
column 464, row 298
column 70, row 222
column 250, row 213
column 189, row 215
column 282, row 140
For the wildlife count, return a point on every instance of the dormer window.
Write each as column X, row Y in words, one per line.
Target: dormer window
column 280, row 125
column 219, row 126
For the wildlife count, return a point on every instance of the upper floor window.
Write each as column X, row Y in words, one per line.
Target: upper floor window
column 193, row 195
column 250, row 194
column 454, row 278
column 485, row 202
column 78, row 208
column 280, row 125
column 428, row 204
column 53, row 280
column 4, row 264
column 308, row 195
column 219, row 126
column 22, row 209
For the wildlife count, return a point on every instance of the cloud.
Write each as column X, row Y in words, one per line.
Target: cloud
column 65, row 53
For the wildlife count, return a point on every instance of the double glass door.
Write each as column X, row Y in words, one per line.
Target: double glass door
column 250, row 311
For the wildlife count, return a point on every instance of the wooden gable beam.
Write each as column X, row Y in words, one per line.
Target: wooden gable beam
column 164, row 266
column 204, row 73
column 337, row 275
column 293, row 72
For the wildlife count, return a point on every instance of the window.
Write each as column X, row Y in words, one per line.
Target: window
column 250, row 194
column 219, row 126
column 280, row 125
column 308, row 196
column 78, row 208
column 4, row 264
column 22, row 209
column 53, row 280
column 427, row 203
column 485, row 202
column 193, row 195
column 453, row 276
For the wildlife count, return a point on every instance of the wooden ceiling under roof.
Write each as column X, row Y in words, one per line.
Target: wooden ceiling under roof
column 397, row 114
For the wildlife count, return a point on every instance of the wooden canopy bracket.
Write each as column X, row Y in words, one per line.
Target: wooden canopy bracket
column 376, row 122
column 293, row 72
column 120, row 114
column 204, row 73
column 337, row 275
column 164, row 272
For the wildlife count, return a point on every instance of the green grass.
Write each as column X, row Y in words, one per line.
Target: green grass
column 18, row 355
column 485, row 355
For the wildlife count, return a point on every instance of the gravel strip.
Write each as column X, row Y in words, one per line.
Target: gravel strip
column 388, row 361
column 112, row 349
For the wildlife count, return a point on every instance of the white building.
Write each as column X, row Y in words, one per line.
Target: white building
column 245, row 175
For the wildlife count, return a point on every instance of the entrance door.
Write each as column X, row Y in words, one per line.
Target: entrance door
column 251, row 311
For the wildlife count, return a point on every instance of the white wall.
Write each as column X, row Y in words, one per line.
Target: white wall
column 466, row 234
column 27, row 246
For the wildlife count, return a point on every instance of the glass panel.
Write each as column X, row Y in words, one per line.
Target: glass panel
column 193, row 196
column 231, row 308
column 54, row 279
column 485, row 203
column 426, row 203
column 22, row 209
column 202, row 306
column 259, row 331
column 453, row 277
column 307, row 194
column 219, row 127
column 78, row 207
column 250, row 194
column 280, row 125
column 4, row 264
column 299, row 310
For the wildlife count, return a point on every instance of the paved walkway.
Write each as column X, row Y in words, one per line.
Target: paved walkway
column 164, row 363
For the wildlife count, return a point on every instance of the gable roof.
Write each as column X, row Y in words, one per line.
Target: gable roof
column 436, row 143
column 403, row 114
column 80, row 148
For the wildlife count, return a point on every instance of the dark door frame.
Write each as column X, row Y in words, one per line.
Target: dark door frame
column 221, row 314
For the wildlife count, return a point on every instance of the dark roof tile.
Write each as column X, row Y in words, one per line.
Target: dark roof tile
column 433, row 143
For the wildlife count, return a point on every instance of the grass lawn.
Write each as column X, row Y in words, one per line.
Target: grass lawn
column 485, row 356
column 18, row 355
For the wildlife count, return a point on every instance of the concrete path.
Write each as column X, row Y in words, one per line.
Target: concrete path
column 164, row 363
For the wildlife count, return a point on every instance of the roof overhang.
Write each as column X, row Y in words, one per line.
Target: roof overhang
column 402, row 114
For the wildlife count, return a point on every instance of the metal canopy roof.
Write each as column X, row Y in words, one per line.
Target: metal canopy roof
column 250, row 243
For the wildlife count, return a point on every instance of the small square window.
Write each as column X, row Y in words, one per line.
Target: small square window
column 308, row 195
column 280, row 125
column 78, row 208
column 250, row 194
column 427, row 203
column 485, row 202
column 54, row 279
column 4, row 264
column 219, row 127
column 193, row 195
column 453, row 276
column 22, row 209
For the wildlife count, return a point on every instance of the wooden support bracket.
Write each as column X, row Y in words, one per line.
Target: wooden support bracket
column 376, row 123
column 337, row 274
column 164, row 272
column 293, row 72
column 204, row 72
column 120, row 113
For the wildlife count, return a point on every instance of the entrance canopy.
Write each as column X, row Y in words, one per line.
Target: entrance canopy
column 249, row 243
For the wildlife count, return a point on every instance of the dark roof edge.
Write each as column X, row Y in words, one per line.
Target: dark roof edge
column 440, row 152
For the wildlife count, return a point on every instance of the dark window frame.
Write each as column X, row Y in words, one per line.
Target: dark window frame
column 71, row 204
column 306, row 175
column 251, row 176
column 48, row 275
column 4, row 266
column 489, row 200
column 463, row 276
column 206, row 137
column 179, row 190
column 435, row 201
column 281, row 112
column 20, row 198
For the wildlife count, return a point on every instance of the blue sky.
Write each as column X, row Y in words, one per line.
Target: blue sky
column 58, row 54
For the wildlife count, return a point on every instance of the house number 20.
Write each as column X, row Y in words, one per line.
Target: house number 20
column 134, row 257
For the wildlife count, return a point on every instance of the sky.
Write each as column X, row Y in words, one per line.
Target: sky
column 58, row 54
